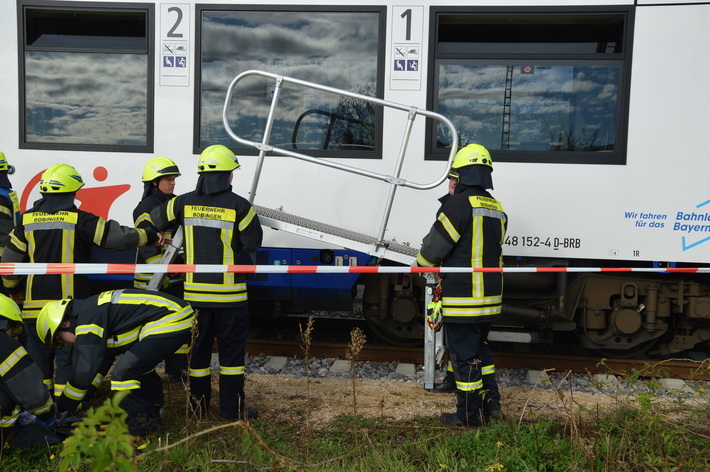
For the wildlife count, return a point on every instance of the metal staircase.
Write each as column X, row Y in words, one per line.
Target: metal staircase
column 374, row 245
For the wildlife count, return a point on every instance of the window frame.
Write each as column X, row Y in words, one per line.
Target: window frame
column 615, row 157
column 148, row 9
column 380, row 73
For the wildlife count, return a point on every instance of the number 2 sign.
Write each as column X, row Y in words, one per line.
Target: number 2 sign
column 174, row 54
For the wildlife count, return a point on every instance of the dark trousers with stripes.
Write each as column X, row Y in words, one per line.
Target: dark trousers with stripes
column 142, row 405
column 45, row 357
column 230, row 326
column 468, row 352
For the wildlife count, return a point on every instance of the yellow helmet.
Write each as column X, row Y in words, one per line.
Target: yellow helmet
column 473, row 154
column 217, row 158
column 49, row 319
column 10, row 313
column 158, row 167
column 4, row 165
column 60, row 178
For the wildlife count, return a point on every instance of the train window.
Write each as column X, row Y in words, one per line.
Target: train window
column 340, row 47
column 87, row 76
column 533, row 86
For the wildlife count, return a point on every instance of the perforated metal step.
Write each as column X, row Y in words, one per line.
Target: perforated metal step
column 312, row 229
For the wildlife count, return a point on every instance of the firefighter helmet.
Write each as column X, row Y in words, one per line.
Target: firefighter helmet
column 9, row 309
column 10, row 315
column 217, row 158
column 4, row 165
column 473, row 154
column 159, row 167
column 60, row 178
column 48, row 321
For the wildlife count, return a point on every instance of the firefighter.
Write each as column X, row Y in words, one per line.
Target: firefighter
column 219, row 227
column 144, row 326
column 26, row 408
column 55, row 230
column 158, row 178
column 9, row 205
column 469, row 232
column 491, row 396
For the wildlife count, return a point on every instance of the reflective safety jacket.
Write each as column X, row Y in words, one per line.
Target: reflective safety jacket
column 21, row 386
column 9, row 214
column 141, row 219
column 115, row 320
column 219, row 228
column 468, row 232
column 66, row 237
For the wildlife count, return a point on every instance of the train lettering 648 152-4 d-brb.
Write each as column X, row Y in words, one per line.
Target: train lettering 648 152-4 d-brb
column 537, row 241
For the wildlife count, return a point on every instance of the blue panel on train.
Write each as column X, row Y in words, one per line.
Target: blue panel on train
column 306, row 291
column 271, row 286
column 321, row 291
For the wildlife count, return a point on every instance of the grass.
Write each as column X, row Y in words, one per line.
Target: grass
column 641, row 433
column 626, row 439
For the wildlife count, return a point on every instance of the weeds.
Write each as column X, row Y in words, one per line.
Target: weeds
column 640, row 431
column 306, row 338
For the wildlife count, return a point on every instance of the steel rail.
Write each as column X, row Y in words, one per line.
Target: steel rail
column 674, row 368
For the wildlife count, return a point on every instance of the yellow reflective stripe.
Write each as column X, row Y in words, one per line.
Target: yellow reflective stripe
column 89, row 329
column 11, row 283
column 482, row 311
column 125, row 384
column 32, row 305
column 11, row 360
column 44, row 408
column 142, row 237
column 247, row 219
column 215, row 292
column 58, row 389
column 182, row 349
column 448, row 301
column 239, row 370
column 141, row 218
column 17, row 243
column 488, row 369
column 9, row 420
column 123, row 339
column 99, row 232
column 423, row 262
column 199, row 372
column 477, row 256
column 449, row 227
column 469, row 386
column 159, row 327
column 73, row 392
column 212, row 297
column 47, row 383
column 97, row 380
column 170, row 209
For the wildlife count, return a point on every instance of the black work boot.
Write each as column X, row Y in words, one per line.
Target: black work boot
column 248, row 414
column 448, row 385
column 452, row 419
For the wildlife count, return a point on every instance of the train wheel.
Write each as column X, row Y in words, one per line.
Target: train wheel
column 389, row 334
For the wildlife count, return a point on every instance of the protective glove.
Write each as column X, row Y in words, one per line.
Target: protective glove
column 433, row 318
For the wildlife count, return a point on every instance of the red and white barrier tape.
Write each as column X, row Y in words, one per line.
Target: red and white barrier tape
column 57, row 268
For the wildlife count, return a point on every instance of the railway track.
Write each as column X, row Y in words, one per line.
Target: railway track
column 675, row 368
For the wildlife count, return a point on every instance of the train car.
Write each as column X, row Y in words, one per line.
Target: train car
column 592, row 110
